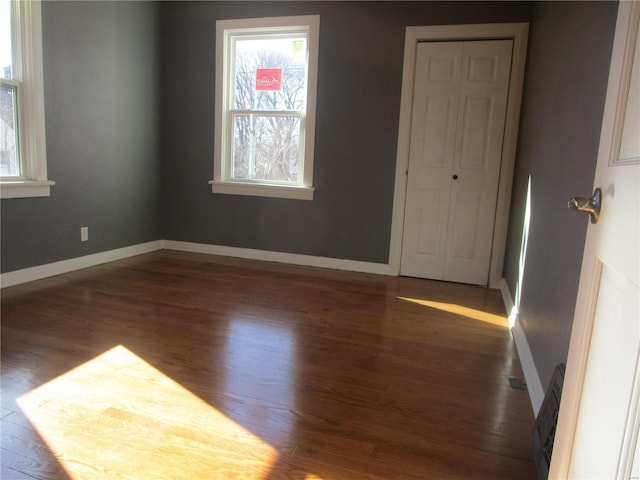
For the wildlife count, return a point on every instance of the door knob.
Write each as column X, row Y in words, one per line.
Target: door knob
column 590, row 205
column 455, row 177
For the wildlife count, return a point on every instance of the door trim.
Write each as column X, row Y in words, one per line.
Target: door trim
column 518, row 32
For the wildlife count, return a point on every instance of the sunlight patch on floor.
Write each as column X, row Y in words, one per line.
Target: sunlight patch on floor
column 116, row 416
column 472, row 313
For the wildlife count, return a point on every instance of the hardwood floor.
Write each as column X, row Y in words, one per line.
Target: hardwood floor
column 182, row 366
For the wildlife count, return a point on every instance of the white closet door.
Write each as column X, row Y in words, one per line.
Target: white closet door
column 460, row 97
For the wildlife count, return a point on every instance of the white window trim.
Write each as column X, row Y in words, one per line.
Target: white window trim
column 220, row 184
column 31, row 127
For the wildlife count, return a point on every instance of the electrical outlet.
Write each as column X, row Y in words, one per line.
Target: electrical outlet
column 84, row 234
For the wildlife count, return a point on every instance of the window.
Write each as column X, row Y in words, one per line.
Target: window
column 266, row 73
column 23, row 167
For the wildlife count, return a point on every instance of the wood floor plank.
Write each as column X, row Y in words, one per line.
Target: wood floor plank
column 177, row 365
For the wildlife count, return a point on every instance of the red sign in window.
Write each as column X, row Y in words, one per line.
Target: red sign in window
column 269, row 79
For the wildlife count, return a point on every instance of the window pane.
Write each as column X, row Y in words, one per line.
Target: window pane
column 270, row 73
column 9, row 165
column 6, row 55
column 266, row 148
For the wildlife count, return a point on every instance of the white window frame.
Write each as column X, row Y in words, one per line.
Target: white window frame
column 28, row 81
column 225, row 30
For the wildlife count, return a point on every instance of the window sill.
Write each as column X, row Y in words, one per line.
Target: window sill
column 25, row 188
column 261, row 190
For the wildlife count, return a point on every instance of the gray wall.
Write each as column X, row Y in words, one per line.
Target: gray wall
column 129, row 89
column 101, row 112
column 567, row 70
column 360, row 75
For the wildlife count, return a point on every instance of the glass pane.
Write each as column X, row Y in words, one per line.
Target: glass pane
column 266, row 148
column 9, row 164
column 270, row 73
column 6, row 56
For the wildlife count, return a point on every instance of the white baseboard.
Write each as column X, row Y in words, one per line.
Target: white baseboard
column 280, row 257
column 534, row 386
column 507, row 300
column 17, row 277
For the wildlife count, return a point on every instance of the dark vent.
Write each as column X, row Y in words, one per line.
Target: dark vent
column 544, row 429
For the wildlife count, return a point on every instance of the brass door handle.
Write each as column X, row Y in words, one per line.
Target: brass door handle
column 590, row 205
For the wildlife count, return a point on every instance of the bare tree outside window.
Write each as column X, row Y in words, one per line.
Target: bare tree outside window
column 266, row 123
column 8, row 132
column 266, row 81
column 9, row 162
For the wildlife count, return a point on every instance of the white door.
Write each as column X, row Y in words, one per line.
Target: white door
column 457, row 129
column 597, row 432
